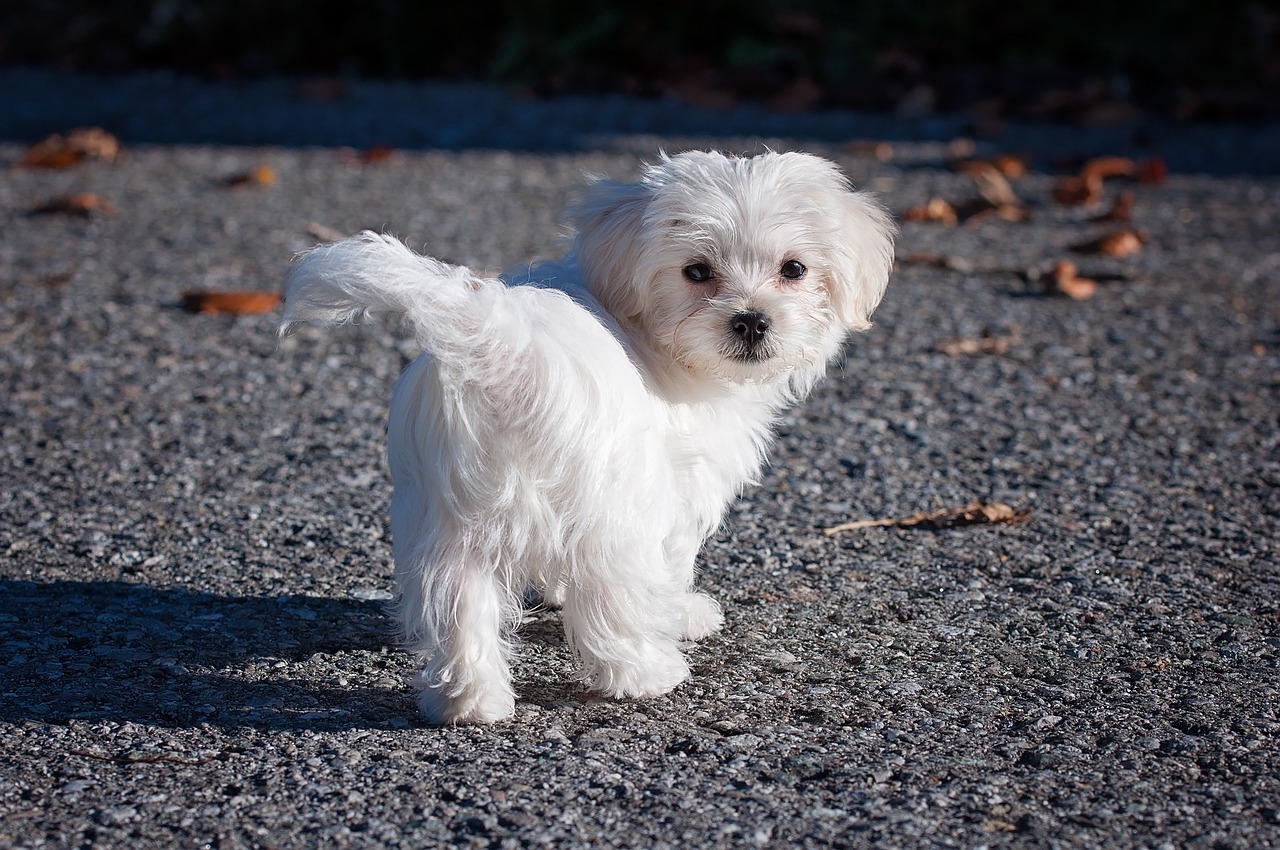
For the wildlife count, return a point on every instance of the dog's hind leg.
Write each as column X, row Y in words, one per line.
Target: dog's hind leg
column 467, row 678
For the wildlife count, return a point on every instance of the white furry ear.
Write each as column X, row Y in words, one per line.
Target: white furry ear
column 609, row 220
column 862, row 258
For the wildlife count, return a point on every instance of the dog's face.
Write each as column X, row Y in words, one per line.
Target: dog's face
column 750, row 270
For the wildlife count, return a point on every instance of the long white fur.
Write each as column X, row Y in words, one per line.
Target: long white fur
column 583, row 432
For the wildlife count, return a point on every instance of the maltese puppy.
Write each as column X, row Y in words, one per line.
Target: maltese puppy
column 581, row 430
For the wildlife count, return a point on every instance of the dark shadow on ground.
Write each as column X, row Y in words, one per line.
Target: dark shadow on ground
column 111, row 650
column 122, row 652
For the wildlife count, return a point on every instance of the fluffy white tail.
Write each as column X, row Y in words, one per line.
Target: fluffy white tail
column 375, row 274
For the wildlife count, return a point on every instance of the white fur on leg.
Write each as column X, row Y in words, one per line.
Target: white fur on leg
column 702, row 616
column 446, row 705
column 634, row 668
column 625, row 631
column 467, row 679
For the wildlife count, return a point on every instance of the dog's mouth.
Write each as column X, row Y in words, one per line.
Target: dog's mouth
column 748, row 356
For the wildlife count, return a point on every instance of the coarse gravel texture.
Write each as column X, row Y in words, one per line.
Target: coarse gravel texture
column 196, row 562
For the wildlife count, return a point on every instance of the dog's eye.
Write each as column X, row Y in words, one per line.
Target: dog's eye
column 698, row 272
column 793, row 269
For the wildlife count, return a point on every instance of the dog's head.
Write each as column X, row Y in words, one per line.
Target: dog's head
column 748, row 269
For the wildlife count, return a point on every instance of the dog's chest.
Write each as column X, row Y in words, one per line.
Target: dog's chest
column 716, row 450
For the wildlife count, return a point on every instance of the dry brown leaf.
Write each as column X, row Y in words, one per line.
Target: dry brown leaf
column 59, row 151
column 993, row 186
column 1063, row 281
column 236, row 303
column 1118, row 243
column 987, row 343
column 77, row 203
column 1072, row 191
column 998, row 825
column 1009, row 165
column 1010, row 213
column 977, row 210
column 376, row 155
column 57, row 279
column 935, row 210
column 1121, row 210
column 324, row 233
column 974, row 513
column 1103, row 167
column 263, row 175
column 1152, row 171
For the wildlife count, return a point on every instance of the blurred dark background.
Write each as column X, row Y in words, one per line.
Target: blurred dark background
column 1087, row 60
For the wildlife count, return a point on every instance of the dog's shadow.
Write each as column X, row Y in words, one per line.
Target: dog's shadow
column 123, row 652
column 115, row 651
column 111, row 650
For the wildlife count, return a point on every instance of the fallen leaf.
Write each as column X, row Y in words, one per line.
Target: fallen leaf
column 324, row 233
column 974, row 513
column 57, row 279
column 1062, row 280
column 994, row 186
column 977, row 210
column 1118, row 243
column 1010, row 165
column 980, row 209
column 235, row 303
column 987, row 343
column 1121, row 210
column 1072, row 191
column 77, row 203
column 59, row 151
column 935, row 210
column 1152, row 171
column 1103, row 167
column 375, row 155
column 998, row 825
column 263, row 175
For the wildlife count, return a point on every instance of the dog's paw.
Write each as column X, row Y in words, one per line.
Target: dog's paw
column 701, row 617
column 640, row 669
column 471, row 705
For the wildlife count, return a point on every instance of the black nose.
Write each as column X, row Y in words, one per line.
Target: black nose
column 750, row 327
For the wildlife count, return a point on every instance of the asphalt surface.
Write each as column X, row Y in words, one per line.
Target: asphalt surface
column 193, row 648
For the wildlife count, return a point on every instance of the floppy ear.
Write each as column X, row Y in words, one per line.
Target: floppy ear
column 609, row 220
column 862, row 258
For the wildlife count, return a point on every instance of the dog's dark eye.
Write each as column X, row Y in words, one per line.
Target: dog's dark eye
column 698, row 272
column 793, row 269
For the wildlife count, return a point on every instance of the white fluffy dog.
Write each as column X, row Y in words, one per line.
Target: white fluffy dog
column 582, row 433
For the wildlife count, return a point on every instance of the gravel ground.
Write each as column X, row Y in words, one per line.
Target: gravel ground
column 194, row 519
